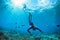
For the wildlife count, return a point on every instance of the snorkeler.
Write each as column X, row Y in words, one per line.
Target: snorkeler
column 32, row 25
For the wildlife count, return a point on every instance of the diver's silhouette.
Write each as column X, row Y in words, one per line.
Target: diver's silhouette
column 32, row 25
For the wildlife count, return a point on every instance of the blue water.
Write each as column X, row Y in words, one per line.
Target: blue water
column 15, row 21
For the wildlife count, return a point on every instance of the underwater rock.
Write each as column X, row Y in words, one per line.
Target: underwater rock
column 3, row 37
column 13, row 32
column 37, row 38
column 51, row 38
column 59, row 37
column 1, row 34
column 25, row 38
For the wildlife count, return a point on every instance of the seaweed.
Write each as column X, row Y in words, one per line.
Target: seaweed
column 51, row 38
column 3, row 37
column 1, row 34
column 37, row 38
column 59, row 37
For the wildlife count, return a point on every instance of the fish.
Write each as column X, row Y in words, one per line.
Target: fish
column 22, row 25
column 58, row 25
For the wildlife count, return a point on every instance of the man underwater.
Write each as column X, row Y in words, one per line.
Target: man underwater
column 30, row 21
column 32, row 25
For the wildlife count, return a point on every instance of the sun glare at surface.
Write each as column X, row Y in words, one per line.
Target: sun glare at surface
column 41, row 4
column 18, row 3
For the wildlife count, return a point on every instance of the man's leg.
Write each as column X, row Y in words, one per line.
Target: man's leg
column 29, row 30
column 39, row 30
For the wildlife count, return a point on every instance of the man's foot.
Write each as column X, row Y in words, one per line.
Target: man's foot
column 41, row 31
